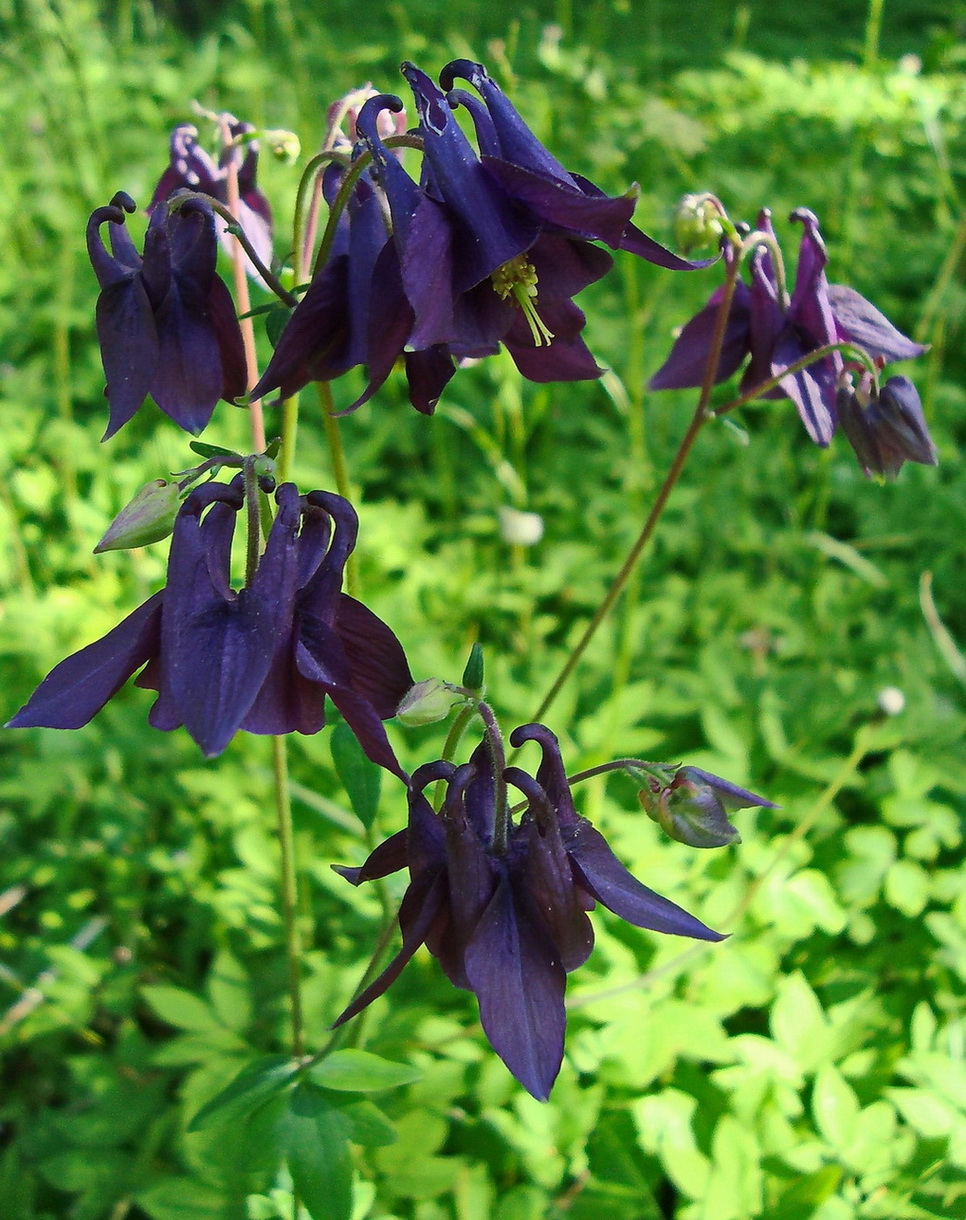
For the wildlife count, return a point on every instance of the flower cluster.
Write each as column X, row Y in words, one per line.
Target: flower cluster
column 261, row 659
column 503, row 905
column 777, row 331
column 488, row 248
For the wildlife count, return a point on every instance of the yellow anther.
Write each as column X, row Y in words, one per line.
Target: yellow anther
column 518, row 278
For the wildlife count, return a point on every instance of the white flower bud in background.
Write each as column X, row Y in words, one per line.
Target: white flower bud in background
column 520, row 528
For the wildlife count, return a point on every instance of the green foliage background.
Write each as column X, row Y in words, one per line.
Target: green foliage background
column 812, row 1066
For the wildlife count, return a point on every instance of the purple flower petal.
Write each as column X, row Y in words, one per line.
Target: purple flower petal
column 75, row 690
column 686, row 365
column 603, row 876
column 861, row 323
column 519, row 984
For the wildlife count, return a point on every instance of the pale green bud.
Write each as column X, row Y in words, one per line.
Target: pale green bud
column 283, row 145
column 427, row 702
column 148, row 518
column 697, row 222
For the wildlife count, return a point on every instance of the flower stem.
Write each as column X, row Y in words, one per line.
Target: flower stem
column 340, row 468
column 286, row 842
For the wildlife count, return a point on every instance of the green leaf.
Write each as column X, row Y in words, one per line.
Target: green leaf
column 360, row 777
column 354, row 1071
column 254, row 1085
column 835, row 1107
column 183, row 1199
column 210, row 451
column 316, row 1136
column 182, row 1009
column 368, row 1125
column 230, row 994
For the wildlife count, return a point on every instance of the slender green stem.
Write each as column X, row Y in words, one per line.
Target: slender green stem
column 290, row 425
column 847, row 349
column 254, row 537
column 286, row 842
column 340, row 468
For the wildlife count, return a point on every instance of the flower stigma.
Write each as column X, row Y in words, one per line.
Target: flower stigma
column 518, row 278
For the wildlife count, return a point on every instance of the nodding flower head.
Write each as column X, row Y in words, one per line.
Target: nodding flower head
column 262, row 658
column 166, row 323
column 503, row 903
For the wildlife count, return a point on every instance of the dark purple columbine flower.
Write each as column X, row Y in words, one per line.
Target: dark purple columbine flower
column 777, row 332
column 504, row 906
column 261, row 659
column 887, row 429
column 535, row 181
column 165, row 322
column 191, row 168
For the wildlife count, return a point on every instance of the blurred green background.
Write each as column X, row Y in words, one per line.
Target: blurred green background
column 794, row 627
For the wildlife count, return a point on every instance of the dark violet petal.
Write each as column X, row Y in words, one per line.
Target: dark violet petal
column 387, row 857
column 188, row 379
column 421, row 905
column 861, row 323
column 486, row 137
column 364, row 721
column 516, row 141
column 313, row 541
column 637, row 242
column 547, row 889
column 428, row 372
column 128, row 340
column 427, row 274
column 471, row 875
column 812, row 389
column 730, row 795
column 76, row 689
column 319, row 656
column 380, row 671
column 108, row 268
column 519, row 983
column 314, row 343
column 491, row 230
column 390, row 322
column 561, row 360
column 228, row 336
column 191, row 168
column 216, row 651
column 565, row 206
column 685, row 366
column 551, row 774
column 602, row 875
column 565, row 267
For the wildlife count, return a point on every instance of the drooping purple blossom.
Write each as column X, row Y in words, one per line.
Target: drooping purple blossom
column 166, row 323
column 192, row 168
column 886, row 429
column 263, row 658
column 777, row 331
column 503, row 906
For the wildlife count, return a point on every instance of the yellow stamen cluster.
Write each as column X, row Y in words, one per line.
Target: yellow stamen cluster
column 517, row 278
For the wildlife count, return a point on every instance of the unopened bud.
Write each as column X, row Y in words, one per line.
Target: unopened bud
column 691, row 808
column 283, row 145
column 148, row 518
column 697, row 222
column 427, row 702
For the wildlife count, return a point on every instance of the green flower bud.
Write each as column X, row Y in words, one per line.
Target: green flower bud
column 690, row 804
column 427, row 702
column 283, row 145
column 697, row 222
column 148, row 518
